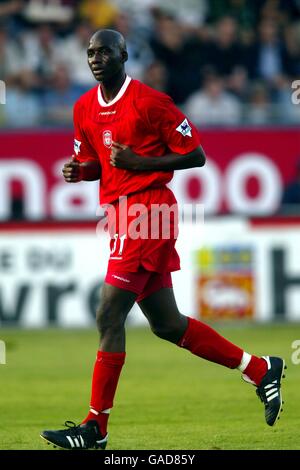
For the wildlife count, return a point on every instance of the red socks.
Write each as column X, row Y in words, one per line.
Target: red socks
column 256, row 369
column 205, row 342
column 106, row 375
column 199, row 338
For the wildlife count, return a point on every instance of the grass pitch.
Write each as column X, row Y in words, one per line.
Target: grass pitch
column 167, row 398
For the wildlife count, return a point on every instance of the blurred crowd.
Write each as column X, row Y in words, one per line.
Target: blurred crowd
column 224, row 62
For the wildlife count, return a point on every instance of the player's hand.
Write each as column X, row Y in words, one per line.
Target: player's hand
column 72, row 171
column 122, row 156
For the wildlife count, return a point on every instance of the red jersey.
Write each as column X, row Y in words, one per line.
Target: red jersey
column 140, row 117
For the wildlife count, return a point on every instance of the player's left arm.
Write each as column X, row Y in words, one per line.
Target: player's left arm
column 179, row 135
column 123, row 157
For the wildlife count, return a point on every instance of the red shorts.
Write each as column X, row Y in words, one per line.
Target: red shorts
column 143, row 283
column 143, row 228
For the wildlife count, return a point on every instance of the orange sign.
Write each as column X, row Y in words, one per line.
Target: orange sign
column 225, row 283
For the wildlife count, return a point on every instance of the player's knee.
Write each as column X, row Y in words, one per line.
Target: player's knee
column 161, row 331
column 172, row 329
column 108, row 323
column 109, row 320
column 171, row 333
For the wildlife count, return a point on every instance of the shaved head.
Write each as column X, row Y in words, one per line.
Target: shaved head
column 109, row 36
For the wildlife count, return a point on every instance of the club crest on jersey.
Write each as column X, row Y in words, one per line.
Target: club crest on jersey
column 107, row 138
column 184, row 128
column 77, row 144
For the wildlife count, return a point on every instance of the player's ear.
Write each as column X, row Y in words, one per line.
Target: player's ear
column 124, row 56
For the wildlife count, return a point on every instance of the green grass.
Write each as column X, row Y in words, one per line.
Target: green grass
column 166, row 399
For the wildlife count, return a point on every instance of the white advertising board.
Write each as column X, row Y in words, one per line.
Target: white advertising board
column 53, row 277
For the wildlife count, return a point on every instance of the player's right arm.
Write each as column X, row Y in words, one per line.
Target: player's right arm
column 85, row 164
column 75, row 171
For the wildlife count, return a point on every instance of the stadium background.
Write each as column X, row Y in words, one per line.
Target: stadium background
column 233, row 67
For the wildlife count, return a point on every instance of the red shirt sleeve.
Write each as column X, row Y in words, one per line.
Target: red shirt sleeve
column 176, row 131
column 82, row 148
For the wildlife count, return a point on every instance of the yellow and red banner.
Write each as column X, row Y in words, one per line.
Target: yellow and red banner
column 225, row 282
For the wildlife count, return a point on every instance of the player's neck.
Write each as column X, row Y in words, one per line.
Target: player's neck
column 112, row 88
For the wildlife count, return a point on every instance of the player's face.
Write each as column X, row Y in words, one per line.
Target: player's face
column 104, row 58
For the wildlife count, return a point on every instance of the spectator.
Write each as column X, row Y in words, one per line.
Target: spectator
column 244, row 41
column 270, row 11
column 237, row 83
column 74, row 56
column 269, row 58
column 139, row 13
column 45, row 11
column 290, row 10
column 292, row 45
column 245, row 12
column 42, row 53
column 225, row 53
column 259, row 109
column 139, row 52
column 10, row 7
column 190, row 13
column 11, row 14
column 169, row 47
column 22, row 108
column 10, row 56
column 213, row 105
column 155, row 76
column 60, row 98
column 100, row 13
